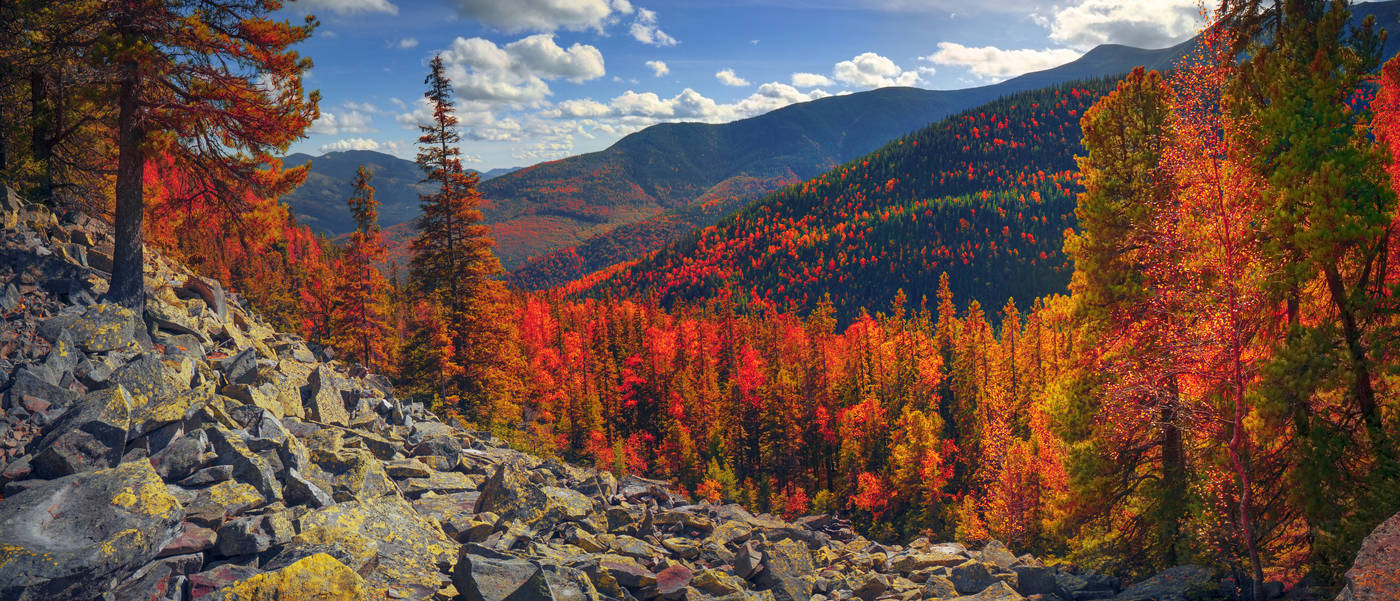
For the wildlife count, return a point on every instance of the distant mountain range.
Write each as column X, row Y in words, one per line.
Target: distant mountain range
column 320, row 202
column 670, row 178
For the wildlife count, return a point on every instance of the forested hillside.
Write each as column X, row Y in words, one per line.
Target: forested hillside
column 984, row 196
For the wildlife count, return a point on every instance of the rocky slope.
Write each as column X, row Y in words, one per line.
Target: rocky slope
column 195, row 453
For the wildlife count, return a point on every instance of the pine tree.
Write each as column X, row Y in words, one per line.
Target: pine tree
column 361, row 323
column 213, row 88
column 453, row 265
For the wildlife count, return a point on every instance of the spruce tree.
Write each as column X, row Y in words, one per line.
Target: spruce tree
column 362, row 325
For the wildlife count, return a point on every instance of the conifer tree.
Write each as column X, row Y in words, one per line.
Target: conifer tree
column 362, row 324
column 453, row 265
column 213, row 89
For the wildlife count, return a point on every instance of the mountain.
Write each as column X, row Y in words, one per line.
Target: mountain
column 984, row 195
column 320, row 202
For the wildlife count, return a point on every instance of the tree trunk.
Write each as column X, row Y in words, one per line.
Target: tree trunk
column 40, row 138
column 1360, row 367
column 127, row 285
column 1173, row 475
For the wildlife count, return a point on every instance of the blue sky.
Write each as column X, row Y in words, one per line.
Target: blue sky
column 543, row 79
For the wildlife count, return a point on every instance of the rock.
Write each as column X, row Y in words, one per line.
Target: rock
column 510, row 494
column 209, row 291
column 219, row 577
column 972, row 577
column 868, row 585
column 672, row 582
column 444, row 483
column 207, row 476
column 91, row 436
column 480, row 578
column 181, row 457
column 715, row 582
column 1375, row 574
column 356, row 551
column 407, row 468
column 324, row 400
column 913, row 562
column 248, row 467
column 938, row 587
column 412, row 549
column 319, row 577
column 748, row 561
column 213, row 505
column 102, row 327
column 300, row 491
column 1085, row 586
column 1174, row 584
column 998, row 591
column 241, row 368
column 997, row 554
column 76, row 536
column 192, row 538
column 1034, row 580
column 243, row 536
column 30, row 386
column 787, row 565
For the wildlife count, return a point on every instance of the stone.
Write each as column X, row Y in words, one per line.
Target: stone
column 412, row 549
column 972, row 577
column 480, row 578
column 353, row 549
column 324, row 400
column 319, row 577
column 510, row 494
column 869, row 585
column 998, row 591
column 786, row 567
column 102, row 327
column 913, row 562
column 213, row 505
column 207, row 476
column 672, row 581
column 241, row 368
column 1180, row 583
column 91, row 436
column 209, row 291
column 247, row 466
column 30, row 387
column 297, row 490
column 181, row 457
column 938, row 587
column 218, row 577
column 715, row 582
column 1034, row 580
column 192, row 538
column 442, row 483
column 407, row 468
column 748, row 561
column 76, row 536
column 243, row 536
column 1375, row 574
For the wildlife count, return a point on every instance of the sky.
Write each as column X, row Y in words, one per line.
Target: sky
column 538, row 80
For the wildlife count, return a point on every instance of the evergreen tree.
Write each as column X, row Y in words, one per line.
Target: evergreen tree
column 212, row 88
column 362, row 326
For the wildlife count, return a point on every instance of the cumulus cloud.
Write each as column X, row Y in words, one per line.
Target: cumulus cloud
column 476, row 120
column 1156, row 24
column 990, row 62
column 349, row 7
column 870, row 70
column 516, row 73
column 810, row 80
column 645, row 30
column 347, row 122
column 350, row 144
column 407, row 43
column 728, row 78
column 658, row 68
column 545, row 15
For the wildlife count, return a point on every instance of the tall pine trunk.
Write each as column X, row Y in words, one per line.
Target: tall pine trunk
column 127, row 286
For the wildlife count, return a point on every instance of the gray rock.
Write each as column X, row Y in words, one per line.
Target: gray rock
column 1173, row 584
column 998, row 591
column 91, row 436
column 79, row 535
column 181, row 457
column 243, row 536
column 972, row 577
column 300, row 491
column 1034, row 580
column 479, row 578
column 241, row 368
column 247, row 466
column 1375, row 574
column 787, row 565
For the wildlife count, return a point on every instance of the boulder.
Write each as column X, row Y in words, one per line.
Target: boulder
column 319, row 577
column 1375, row 574
column 248, row 467
column 243, row 536
column 998, row 591
column 481, row 578
column 102, row 327
column 412, row 549
column 76, row 536
column 353, row 549
column 972, row 577
column 1034, row 579
column 1181, row 583
column 510, row 494
column 323, row 399
column 787, row 566
column 192, row 538
column 672, row 581
column 90, row 436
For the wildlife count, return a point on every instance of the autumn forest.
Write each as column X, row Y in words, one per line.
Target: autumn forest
column 1133, row 322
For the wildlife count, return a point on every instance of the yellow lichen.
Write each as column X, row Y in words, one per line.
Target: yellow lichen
column 319, row 577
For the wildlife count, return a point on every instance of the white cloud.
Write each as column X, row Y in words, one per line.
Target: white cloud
column 349, row 122
column 870, row 70
column 659, row 68
column 545, row 15
column 476, row 121
column 350, row 7
column 350, row 144
column 646, row 31
column 1155, row 24
column 810, row 80
column 728, row 78
column 361, row 106
column 990, row 62
column 407, row 43
column 516, row 73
